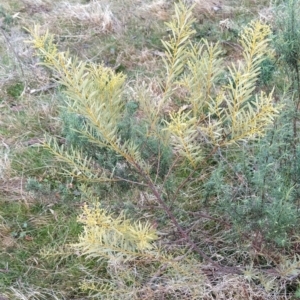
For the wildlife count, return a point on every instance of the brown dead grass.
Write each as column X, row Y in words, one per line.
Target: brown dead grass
column 207, row 7
column 160, row 9
column 6, row 240
column 94, row 14
column 14, row 190
column 37, row 6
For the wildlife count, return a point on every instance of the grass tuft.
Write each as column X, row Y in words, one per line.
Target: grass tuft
column 94, row 14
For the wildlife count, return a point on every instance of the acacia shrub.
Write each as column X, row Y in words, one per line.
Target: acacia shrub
column 174, row 144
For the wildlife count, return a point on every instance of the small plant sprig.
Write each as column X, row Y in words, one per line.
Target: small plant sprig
column 113, row 238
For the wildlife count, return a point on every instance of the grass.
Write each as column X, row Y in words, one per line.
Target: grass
column 38, row 208
column 33, row 236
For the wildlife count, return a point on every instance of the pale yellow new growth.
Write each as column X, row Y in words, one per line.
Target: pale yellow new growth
column 218, row 115
column 247, row 119
column 184, row 137
column 205, row 66
column 105, row 236
column 176, row 55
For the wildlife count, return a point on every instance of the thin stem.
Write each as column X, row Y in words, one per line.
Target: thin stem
column 168, row 211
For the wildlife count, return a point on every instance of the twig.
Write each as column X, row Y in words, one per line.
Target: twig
column 3, row 271
column 170, row 170
column 43, row 89
column 172, row 217
column 130, row 181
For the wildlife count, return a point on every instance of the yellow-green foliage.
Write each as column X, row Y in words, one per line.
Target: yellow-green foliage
column 176, row 54
column 221, row 115
column 94, row 92
column 114, row 238
column 217, row 115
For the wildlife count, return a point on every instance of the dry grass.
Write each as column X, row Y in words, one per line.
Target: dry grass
column 207, row 8
column 6, row 240
column 160, row 9
column 23, row 292
column 4, row 161
column 94, row 14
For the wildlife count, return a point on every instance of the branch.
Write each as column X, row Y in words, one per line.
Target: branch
column 172, row 217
